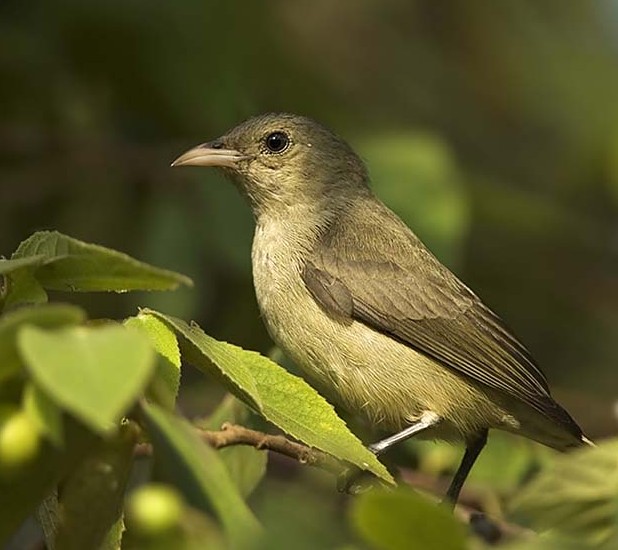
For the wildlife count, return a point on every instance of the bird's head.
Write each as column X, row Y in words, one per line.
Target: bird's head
column 282, row 160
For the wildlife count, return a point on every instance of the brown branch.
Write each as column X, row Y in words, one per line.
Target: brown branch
column 467, row 510
column 233, row 434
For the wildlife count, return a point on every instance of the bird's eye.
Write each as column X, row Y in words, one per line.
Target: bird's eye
column 277, row 142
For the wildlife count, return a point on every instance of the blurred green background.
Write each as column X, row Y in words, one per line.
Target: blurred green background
column 492, row 128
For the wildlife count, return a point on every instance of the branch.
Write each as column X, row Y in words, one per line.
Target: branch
column 232, row 434
column 467, row 510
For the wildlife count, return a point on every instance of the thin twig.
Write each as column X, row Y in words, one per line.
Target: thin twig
column 233, row 434
column 490, row 530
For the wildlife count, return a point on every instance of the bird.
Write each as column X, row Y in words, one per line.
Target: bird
column 372, row 318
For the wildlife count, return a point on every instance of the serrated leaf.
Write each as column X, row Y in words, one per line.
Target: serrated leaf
column 196, row 469
column 44, row 413
column 53, row 315
column 95, row 373
column 576, row 495
column 282, row 398
column 403, row 520
column 73, row 265
column 91, row 499
column 234, row 374
column 166, row 379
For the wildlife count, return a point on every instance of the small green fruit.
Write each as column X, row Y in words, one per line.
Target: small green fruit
column 154, row 509
column 19, row 441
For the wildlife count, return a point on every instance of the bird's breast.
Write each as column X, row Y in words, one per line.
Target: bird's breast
column 364, row 370
column 276, row 263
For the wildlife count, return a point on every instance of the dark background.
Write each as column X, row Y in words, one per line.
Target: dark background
column 492, row 128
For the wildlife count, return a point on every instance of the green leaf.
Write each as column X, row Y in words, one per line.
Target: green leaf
column 548, row 541
column 47, row 316
column 282, row 398
column 95, row 373
column 8, row 266
column 23, row 288
column 577, row 495
column 403, row 520
column 301, row 513
column 196, row 469
column 45, row 414
column 20, row 494
column 91, row 500
column 72, row 265
column 223, row 361
column 246, row 465
column 166, row 381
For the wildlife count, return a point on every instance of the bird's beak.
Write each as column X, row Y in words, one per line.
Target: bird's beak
column 207, row 155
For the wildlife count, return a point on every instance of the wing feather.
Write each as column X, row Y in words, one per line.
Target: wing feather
column 371, row 268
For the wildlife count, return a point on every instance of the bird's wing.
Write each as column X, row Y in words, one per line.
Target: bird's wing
column 370, row 267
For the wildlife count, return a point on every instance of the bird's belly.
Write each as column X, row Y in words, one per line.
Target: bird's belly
column 365, row 371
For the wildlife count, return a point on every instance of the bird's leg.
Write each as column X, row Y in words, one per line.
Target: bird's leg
column 427, row 420
column 473, row 449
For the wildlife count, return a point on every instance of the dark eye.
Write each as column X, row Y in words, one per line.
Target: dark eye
column 277, row 142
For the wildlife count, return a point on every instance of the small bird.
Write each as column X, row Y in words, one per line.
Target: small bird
column 356, row 300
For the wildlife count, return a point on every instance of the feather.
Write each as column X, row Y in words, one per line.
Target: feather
column 368, row 266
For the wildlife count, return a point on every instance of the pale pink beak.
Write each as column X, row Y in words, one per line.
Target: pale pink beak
column 207, row 155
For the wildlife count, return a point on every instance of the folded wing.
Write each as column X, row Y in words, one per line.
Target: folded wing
column 371, row 268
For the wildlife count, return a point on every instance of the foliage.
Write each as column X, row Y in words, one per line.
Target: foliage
column 577, row 497
column 79, row 397
column 84, row 392
column 491, row 128
column 283, row 399
column 403, row 519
